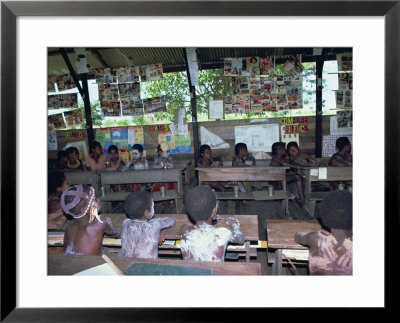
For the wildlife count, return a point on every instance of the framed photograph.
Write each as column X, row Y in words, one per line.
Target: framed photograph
column 28, row 294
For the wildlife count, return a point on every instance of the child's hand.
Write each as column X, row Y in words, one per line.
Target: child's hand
column 162, row 239
column 232, row 222
column 109, row 222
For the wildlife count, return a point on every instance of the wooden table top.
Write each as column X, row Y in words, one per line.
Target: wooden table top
column 280, row 233
column 60, row 264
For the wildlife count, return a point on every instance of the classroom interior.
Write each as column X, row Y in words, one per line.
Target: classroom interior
column 269, row 217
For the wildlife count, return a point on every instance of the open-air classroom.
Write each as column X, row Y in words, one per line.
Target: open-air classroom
column 200, row 161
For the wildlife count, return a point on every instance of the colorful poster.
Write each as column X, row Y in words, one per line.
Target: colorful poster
column 154, row 105
column 131, row 107
column 293, row 66
column 169, row 138
column 240, row 86
column 135, row 136
column 119, row 137
column 267, row 65
column 65, row 82
column 57, row 120
column 108, row 92
column 110, row 75
column 128, row 74
column 74, row 117
column 345, row 62
column 329, row 144
column 103, row 136
column 62, row 101
column 253, row 66
column 235, row 66
column 110, row 109
column 129, row 91
column 345, row 81
column 151, row 72
column 177, row 143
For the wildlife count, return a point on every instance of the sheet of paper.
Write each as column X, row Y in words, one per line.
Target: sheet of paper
column 314, row 172
column 323, row 173
column 101, row 270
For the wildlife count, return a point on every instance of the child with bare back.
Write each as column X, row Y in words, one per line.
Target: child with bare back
column 203, row 241
column 141, row 234
column 207, row 160
column 84, row 235
column 331, row 249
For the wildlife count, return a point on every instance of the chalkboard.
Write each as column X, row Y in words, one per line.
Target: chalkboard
column 257, row 137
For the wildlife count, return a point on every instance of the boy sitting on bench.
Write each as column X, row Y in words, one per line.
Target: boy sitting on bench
column 203, row 241
column 331, row 249
column 140, row 233
column 84, row 235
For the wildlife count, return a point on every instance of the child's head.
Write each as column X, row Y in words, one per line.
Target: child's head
column 240, row 149
column 73, row 153
column 201, row 203
column 96, row 148
column 136, row 151
column 343, row 142
column 163, row 149
column 292, row 149
column 78, row 200
column 139, row 205
column 278, row 148
column 205, row 151
column 336, row 211
column 57, row 182
column 113, row 152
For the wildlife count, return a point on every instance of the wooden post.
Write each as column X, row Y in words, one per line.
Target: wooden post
column 193, row 103
column 318, row 113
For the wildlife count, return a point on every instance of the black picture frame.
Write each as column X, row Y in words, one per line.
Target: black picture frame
column 10, row 10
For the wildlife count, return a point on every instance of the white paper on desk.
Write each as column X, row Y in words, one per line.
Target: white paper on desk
column 314, row 172
column 101, row 270
column 323, row 173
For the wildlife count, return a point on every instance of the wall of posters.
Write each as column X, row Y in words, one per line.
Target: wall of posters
column 153, row 105
column 131, row 107
column 65, row 82
column 267, row 65
column 74, row 117
column 109, row 108
column 235, row 66
column 151, row 72
column 57, row 120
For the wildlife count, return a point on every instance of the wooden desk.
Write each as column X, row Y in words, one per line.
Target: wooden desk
column 248, row 174
column 71, row 264
column 248, row 225
column 143, row 176
column 259, row 163
column 280, row 236
column 85, row 177
column 333, row 174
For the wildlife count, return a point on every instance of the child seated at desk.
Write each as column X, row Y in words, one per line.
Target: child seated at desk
column 298, row 158
column 163, row 160
column 138, row 162
column 84, row 235
column 280, row 158
column 206, row 160
column 203, row 241
column 331, row 249
column 57, row 184
column 96, row 160
column 343, row 157
column 242, row 158
column 116, row 163
column 74, row 164
column 141, row 234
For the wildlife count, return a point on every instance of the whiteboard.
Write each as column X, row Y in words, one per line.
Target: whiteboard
column 257, row 137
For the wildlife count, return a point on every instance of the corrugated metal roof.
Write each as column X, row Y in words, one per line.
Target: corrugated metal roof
column 172, row 58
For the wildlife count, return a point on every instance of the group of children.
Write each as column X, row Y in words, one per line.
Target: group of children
column 141, row 233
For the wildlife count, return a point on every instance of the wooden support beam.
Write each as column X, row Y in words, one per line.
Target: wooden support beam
column 193, row 103
column 318, row 105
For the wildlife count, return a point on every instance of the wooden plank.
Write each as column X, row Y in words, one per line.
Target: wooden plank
column 242, row 174
column 142, row 176
column 259, row 163
column 316, row 196
column 335, row 174
column 121, row 196
column 280, row 233
column 72, row 264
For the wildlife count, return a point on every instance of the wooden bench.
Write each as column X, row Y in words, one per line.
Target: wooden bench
column 259, row 163
column 91, row 178
column 71, row 264
column 248, row 225
column 317, row 174
column 280, row 236
column 248, row 174
column 142, row 176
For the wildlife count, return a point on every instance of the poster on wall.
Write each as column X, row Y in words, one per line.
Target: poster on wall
column 240, row 86
column 288, row 137
column 103, row 136
column 177, row 143
column 110, row 109
column 59, row 101
column 345, row 62
column 235, row 66
column 151, row 72
column 129, row 91
column 257, row 137
column 119, row 137
column 346, row 123
column 51, row 137
column 108, row 92
column 329, row 144
column 57, row 120
column 135, row 136
column 153, row 105
column 267, row 65
column 131, row 107
column 128, row 74
column 74, row 117
column 253, row 66
column 216, row 109
column 65, row 82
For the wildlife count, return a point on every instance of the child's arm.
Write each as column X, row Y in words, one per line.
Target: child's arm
column 302, row 238
column 238, row 236
column 109, row 229
column 165, row 222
